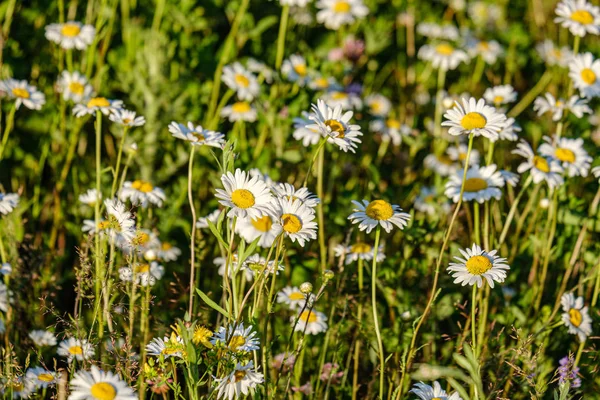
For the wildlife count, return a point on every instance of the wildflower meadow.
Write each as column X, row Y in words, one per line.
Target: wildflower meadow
column 299, row 199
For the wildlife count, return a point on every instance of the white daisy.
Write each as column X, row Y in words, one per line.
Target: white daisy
column 74, row 87
column 5, row 269
column 213, row 217
column 435, row 31
column 579, row 16
column 144, row 274
column 292, row 297
column 142, row 193
column 246, row 197
column 169, row 346
column 443, row 55
column 196, row 135
column 570, row 152
column 500, row 95
column 509, row 131
column 427, row 202
column 236, row 338
column 540, row 167
column 378, row 212
column 19, row 387
column 552, row 55
column 549, row 103
column 441, row 165
column 335, row 13
column 476, row 265
column 488, row 50
column 120, row 224
column 126, row 118
column 167, row 252
column 335, row 126
column 576, row 316
column 41, row 377
column 578, row 106
column 42, row 338
column 426, row 392
column 297, row 3
column 94, row 104
column 242, row 81
column 262, row 176
column 295, row 70
column 90, row 197
column 360, row 250
column 474, row 117
column 257, row 264
column 596, row 172
column 4, row 297
column 242, row 381
column 8, row 202
column 260, row 227
column 311, row 320
column 74, row 348
column 234, row 268
column 301, row 132
column 99, row 385
column 348, row 101
column 289, row 192
column 458, row 153
column 510, row 178
column 319, row 82
column 261, row 69
column 584, row 71
column 295, row 219
column 72, row 34
column 391, row 129
column 481, row 185
column 239, row 111
column 23, row 93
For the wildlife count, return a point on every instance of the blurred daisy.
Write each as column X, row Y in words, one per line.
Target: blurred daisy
column 263, row 177
column 570, row 152
column 579, row 16
column 246, row 197
column 458, row 153
column 483, row 13
column 23, row 93
column 19, row 387
column 312, row 321
column 74, row 87
column 552, row 55
column 359, row 251
column 441, row 165
column 321, row 83
column 335, row 13
column 237, row 338
column 42, row 338
column 145, row 274
column 295, row 70
column 297, row 3
column 289, row 192
column 41, row 377
column 212, row 217
column 435, row 31
column 169, row 346
column 540, row 167
column 301, row 132
column 426, row 392
column 74, row 348
column 167, row 252
column 474, row 117
column 126, row 118
column 578, row 106
column 120, row 224
column 71, row 35
column 509, row 131
column 510, row 178
column 596, row 172
column 258, row 264
column 481, row 185
column 335, row 126
column 90, row 197
column 427, row 201
column 476, row 265
column 251, row 229
column 94, row 104
column 260, row 68
column 369, row 215
column 378, row 104
column 98, row 384
column 5, row 269
column 239, row 111
column 295, row 219
column 4, row 300
column 548, row 103
column 576, row 316
column 196, row 135
column 242, row 381
column 500, row 95
column 585, row 73
column 234, row 268
column 346, row 100
column 292, row 297
column 391, row 129
column 443, row 55
column 242, row 81
column 488, row 50
column 142, row 193
column 8, row 202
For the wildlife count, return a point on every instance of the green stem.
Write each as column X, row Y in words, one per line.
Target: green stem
column 473, row 320
column 118, row 166
column 531, row 95
column 312, row 162
column 193, row 234
column 476, row 222
column 375, row 317
column 10, row 120
column 99, row 262
column 285, row 12
column 441, row 82
column 320, row 212
column 513, row 209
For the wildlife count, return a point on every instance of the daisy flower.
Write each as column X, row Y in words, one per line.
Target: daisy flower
column 213, row 217
column 74, row 348
column 584, row 71
column 346, row 100
column 335, row 126
column 8, row 202
column 41, row 377
column 426, row 392
column 90, row 197
column 263, row 177
column 74, row 87
column 295, row 70
column 443, row 55
column 458, row 153
column 260, row 227
column 94, row 104
column 378, row 212
column 196, row 135
column 435, row 31
column 301, row 132
column 576, row 316
column 321, row 83
column 169, row 346
column 540, row 167
column 246, row 197
column 552, row 55
column 488, row 50
column 234, row 268
column 144, row 274
column 481, row 185
column 427, row 201
column 236, row 338
column 510, row 178
column 19, row 387
column 441, row 165
column 509, row 131
column 42, row 338
column 260, row 68
column 335, row 13
column 258, row 264
column 476, row 265
column 126, row 118
column 142, row 193
column 167, row 252
column 295, row 219
column 391, row 129
column 359, row 251
column 570, row 152
column 5, row 269
column 120, row 224
column 23, row 93
column 240, row 382
column 239, row 111
column 289, row 192
column 242, row 81
column 311, row 320
column 292, row 297
column 596, row 172
column 4, row 300
column 71, row 35
column 578, row 106
column 474, row 117
column 296, row 3
column 500, row 95
column 98, row 384
column 549, row 103
column 579, row 16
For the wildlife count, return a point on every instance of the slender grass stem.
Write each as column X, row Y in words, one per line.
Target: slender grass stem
column 193, row 233
column 99, row 278
column 441, row 83
column 285, row 12
column 375, row 317
column 473, row 319
column 10, row 121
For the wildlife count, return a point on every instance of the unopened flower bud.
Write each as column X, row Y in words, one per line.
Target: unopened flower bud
column 306, row 287
column 328, row 274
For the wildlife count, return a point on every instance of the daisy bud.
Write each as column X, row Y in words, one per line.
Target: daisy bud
column 328, row 275
column 306, row 287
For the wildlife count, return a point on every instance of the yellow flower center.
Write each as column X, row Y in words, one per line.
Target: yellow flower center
column 76, row 350
column 291, row 223
column 103, row 225
column 583, row 17
column 444, row 49
column 142, row 268
column 20, row 92
column 300, row 69
column 126, row 121
column 239, row 375
column 198, row 135
column 498, row 99
column 478, row 265
column 483, row 46
column 236, row 342
column 339, row 95
column 45, row 377
column 361, row 248
column 393, row 123
column 262, row 224
column 166, row 246
column 202, row 335
column 240, row 107
column 565, row 155
column 559, row 103
column 445, row 160
column 342, row 6
column 242, row 198
column 575, row 317
column 98, row 102
column 321, row 83
column 141, row 238
column 76, row 87
column 142, row 186
column 588, row 76
column 337, row 127
column 473, row 120
column 475, row 185
column 308, row 316
column 541, row 164
column 379, row 210
column 295, row 296
column 242, row 80
column 462, row 156
column 70, row 30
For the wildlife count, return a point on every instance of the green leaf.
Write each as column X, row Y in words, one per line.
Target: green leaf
column 212, row 304
column 217, row 234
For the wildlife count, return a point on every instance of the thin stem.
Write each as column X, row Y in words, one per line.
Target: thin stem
column 320, row 213
column 476, row 222
column 10, row 120
column 375, row 317
column 513, row 209
column 473, row 320
column 99, row 276
column 441, row 82
column 312, row 162
column 193, row 234
column 118, row 166
column 285, row 12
